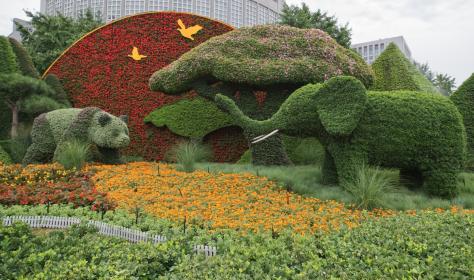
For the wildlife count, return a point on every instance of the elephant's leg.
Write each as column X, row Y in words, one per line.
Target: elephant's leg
column 328, row 170
column 441, row 182
column 268, row 152
column 348, row 158
column 411, row 177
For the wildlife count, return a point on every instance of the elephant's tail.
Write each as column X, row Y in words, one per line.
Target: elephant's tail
column 239, row 118
column 463, row 98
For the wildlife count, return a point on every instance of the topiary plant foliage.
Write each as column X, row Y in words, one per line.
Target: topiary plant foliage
column 464, row 100
column 258, row 67
column 393, row 71
column 4, row 157
column 416, row 132
column 52, row 130
column 194, row 118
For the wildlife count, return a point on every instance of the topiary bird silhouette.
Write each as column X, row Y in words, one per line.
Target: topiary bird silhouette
column 136, row 55
column 188, row 32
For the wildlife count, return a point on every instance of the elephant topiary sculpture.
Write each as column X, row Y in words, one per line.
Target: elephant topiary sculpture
column 421, row 134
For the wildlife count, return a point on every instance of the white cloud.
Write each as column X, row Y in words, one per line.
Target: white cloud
column 437, row 31
column 14, row 9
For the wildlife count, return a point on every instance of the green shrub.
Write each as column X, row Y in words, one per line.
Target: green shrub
column 393, row 71
column 368, row 187
column 17, row 147
column 7, row 57
column 187, row 153
column 426, row 246
column 193, row 118
column 74, row 154
column 4, row 157
column 464, row 100
column 23, row 60
column 60, row 94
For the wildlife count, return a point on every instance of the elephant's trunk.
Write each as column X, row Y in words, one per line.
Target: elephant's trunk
column 260, row 127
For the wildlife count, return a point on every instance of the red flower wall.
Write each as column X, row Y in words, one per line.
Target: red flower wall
column 96, row 71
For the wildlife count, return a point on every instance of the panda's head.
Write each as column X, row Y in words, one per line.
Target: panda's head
column 109, row 131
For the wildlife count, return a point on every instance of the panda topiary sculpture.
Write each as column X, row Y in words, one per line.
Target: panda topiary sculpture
column 104, row 132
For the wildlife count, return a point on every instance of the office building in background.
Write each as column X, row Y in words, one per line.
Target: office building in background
column 371, row 50
column 237, row 13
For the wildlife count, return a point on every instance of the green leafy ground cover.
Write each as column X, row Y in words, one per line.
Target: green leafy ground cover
column 429, row 245
column 306, row 180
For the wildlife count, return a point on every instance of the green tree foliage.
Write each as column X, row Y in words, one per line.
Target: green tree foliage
column 15, row 89
column 23, row 60
column 376, row 128
column 51, row 35
column 258, row 67
column 7, row 57
column 60, row 94
column 393, row 71
column 464, row 100
column 443, row 82
column 194, row 118
column 302, row 17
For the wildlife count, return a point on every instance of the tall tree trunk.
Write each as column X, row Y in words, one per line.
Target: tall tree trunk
column 15, row 112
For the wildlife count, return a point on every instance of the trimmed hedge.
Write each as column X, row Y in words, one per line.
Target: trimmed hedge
column 427, row 245
column 4, row 157
column 193, row 118
column 464, row 100
column 261, row 56
column 23, row 60
column 393, row 71
column 7, row 57
column 51, row 131
column 60, row 94
column 420, row 132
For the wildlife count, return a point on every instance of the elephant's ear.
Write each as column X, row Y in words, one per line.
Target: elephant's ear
column 340, row 103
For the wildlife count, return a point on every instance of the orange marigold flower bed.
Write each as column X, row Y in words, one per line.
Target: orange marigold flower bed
column 236, row 201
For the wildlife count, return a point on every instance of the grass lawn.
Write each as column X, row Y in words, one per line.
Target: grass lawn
column 305, row 180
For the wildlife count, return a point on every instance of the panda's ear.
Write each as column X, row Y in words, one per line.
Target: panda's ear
column 104, row 119
column 124, row 118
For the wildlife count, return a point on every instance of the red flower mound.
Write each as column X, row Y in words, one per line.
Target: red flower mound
column 98, row 71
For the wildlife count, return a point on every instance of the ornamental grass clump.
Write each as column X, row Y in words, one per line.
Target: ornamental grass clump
column 187, row 153
column 74, row 155
column 368, row 187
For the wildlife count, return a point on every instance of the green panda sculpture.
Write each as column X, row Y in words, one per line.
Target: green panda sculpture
column 105, row 132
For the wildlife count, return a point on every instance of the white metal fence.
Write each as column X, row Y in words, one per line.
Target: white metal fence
column 132, row 235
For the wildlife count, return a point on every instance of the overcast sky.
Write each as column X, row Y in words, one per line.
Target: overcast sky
column 439, row 32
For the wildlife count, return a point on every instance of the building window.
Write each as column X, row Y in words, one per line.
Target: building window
column 382, row 47
column 236, row 14
column 68, row 8
column 261, row 14
column 81, row 7
column 203, row 7
column 376, row 50
column 114, row 9
column 160, row 5
column 97, row 8
column 183, row 5
column 252, row 13
column 134, row 7
column 220, row 10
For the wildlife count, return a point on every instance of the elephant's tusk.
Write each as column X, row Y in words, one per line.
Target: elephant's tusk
column 263, row 137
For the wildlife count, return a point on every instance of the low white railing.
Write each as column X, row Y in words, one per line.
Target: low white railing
column 132, row 235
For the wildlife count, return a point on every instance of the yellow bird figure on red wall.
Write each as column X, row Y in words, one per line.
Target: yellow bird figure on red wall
column 136, row 55
column 188, row 32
